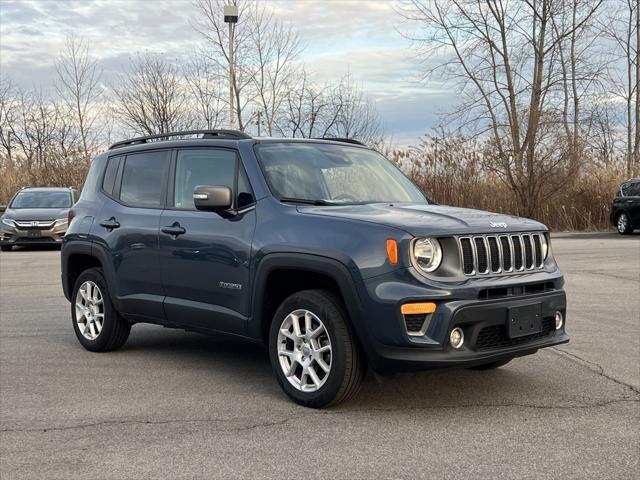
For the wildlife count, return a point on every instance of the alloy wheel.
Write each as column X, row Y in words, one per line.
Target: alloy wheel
column 623, row 223
column 304, row 350
column 89, row 310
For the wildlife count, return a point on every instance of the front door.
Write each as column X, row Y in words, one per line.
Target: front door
column 205, row 256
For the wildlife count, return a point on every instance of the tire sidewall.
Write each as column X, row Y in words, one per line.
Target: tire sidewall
column 100, row 342
column 329, row 390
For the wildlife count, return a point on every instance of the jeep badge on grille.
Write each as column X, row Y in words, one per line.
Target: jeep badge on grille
column 497, row 224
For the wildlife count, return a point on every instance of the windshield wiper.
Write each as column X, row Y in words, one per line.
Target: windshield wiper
column 305, row 200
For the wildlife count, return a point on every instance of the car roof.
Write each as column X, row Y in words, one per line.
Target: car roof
column 46, row 189
column 218, row 138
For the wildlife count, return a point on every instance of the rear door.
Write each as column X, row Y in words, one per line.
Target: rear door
column 127, row 227
column 204, row 256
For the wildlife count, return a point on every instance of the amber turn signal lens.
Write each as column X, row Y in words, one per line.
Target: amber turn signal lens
column 418, row 308
column 392, row 251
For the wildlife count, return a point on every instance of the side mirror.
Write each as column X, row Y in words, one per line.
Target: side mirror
column 3, row 208
column 212, row 198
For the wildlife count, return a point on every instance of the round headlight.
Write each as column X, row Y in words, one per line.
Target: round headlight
column 427, row 253
column 545, row 246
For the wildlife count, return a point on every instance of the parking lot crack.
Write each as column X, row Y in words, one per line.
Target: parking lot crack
column 149, row 422
column 593, row 366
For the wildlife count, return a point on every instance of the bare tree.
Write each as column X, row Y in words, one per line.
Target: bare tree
column 623, row 30
column 216, row 33
column 79, row 86
column 503, row 56
column 275, row 47
column 151, row 97
column 206, row 92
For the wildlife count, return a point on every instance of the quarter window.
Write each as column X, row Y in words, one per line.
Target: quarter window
column 110, row 173
column 143, row 178
column 214, row 167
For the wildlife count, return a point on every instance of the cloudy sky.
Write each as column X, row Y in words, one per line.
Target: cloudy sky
column 360, row 37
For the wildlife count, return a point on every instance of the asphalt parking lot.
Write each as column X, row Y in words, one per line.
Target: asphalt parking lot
column 172, row 404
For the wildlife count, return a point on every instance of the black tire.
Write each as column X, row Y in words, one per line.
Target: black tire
column 6, row 248
column 492, row 365
column 348, row 365
column 115, row 329
column 623, row 227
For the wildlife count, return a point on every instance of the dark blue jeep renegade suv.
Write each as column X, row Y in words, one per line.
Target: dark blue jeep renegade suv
column 322, row 249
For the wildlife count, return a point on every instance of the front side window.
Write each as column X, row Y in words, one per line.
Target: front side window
column 334, row 174
column 213, row 167
column 41, row 199
column 143, row 178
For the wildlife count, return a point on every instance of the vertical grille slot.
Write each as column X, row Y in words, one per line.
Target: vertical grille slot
column 507, row 264
column 537, row 244
column 529, row 261
column 467, row 256
column 481, row 254
column 494, row 253
column 517, row 252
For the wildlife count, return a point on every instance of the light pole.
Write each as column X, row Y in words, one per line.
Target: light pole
column 231, row 17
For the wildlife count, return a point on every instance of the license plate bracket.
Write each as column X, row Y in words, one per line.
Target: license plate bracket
column 524, row 320
column 34, row 234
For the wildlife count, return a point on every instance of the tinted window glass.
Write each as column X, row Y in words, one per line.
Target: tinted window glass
column 634, row 189
column 334, row 173
column 143, row 178
column 245, row 194
column 202, row 167
column 42, row 199
column 110, row 174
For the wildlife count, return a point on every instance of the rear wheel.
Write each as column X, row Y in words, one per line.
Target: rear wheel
column 492, row 365
column 313, row 352
column 624, row 224
column 97, row 324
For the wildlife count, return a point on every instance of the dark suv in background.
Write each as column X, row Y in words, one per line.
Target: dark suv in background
column 36, row 216
column 323, row 250
column 625, row 209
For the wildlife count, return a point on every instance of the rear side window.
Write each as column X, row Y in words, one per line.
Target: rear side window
column 143, row 178
column 634, row 189
column 110, row 173
column 215, row 167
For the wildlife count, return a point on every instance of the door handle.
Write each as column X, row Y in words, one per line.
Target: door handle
column 174, row 230
column 110, row 224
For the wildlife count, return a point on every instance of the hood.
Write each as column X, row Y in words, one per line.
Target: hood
column 26, row 214
column 421, row 219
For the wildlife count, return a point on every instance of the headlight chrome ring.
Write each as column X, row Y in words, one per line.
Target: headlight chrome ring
column 427, row 254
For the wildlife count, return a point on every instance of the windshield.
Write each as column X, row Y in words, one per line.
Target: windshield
column 334, row 174
column 42, row 199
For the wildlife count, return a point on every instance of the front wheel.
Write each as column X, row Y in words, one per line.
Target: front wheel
column 5, row 248
column 623, row 224
column 313, row 351
column 97, row 324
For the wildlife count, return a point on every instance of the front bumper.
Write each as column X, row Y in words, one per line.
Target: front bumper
column 10, row 236
column 484, row 322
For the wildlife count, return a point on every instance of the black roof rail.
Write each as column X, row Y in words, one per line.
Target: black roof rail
column 221, row 134
column 343, row 140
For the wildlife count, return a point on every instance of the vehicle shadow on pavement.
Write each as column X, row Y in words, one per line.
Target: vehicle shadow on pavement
column 543, row 380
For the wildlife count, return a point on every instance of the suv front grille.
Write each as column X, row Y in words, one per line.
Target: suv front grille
column 513, row 253
column 34, row 225
column 495, row 336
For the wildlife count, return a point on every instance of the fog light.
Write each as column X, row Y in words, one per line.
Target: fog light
column 456, row 338
column 559, row 320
